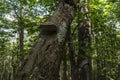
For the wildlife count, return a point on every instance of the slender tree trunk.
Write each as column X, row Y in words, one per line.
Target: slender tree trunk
column 21, row 39
column 44, row 58
column 21, row 32
column 72, row 57
column 84, row 41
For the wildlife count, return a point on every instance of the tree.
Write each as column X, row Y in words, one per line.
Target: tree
column 84, row 44
column 63, row 46
column 44, row 59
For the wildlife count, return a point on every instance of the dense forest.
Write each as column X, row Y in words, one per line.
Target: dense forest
column 60, row 40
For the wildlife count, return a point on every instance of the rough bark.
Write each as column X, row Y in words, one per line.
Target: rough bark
column 44, row 58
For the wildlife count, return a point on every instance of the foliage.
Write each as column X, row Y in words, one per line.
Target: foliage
column 104, row 16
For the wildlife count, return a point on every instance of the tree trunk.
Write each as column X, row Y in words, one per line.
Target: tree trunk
column 72, row 57
column 21, row 39
column 44, row 58
column 21, row 32
column 84, row 41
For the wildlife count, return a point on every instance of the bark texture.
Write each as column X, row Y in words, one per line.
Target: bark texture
column 44, row 58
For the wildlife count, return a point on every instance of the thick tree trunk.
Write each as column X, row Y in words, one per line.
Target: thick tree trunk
column 43, row 61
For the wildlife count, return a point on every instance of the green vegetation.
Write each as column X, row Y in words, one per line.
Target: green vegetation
column 19, row 28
